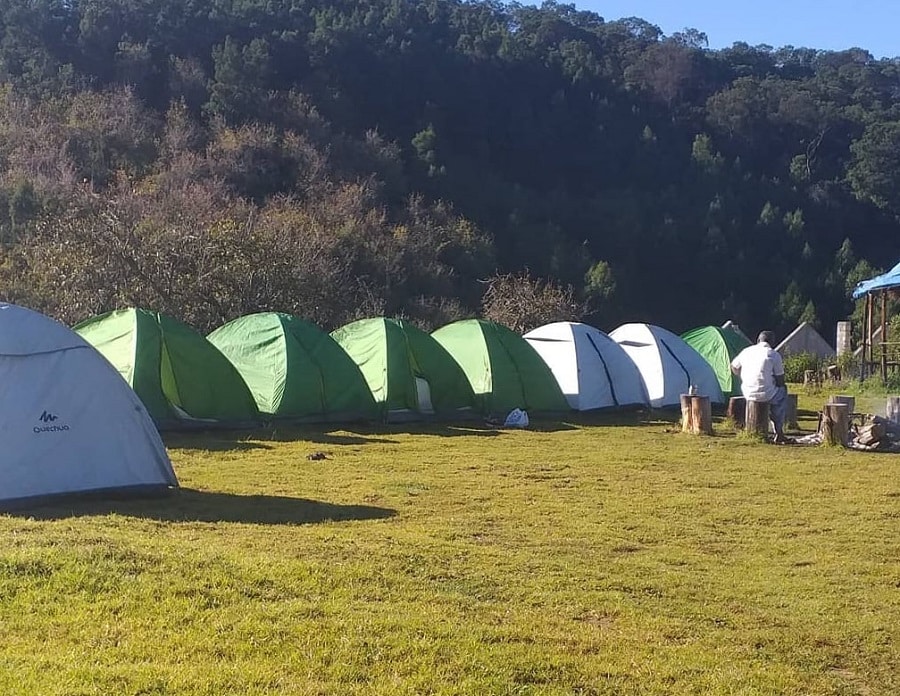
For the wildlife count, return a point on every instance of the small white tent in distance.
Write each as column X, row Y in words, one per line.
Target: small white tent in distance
column 69, row 423
column 592, row 370
column 668, row 365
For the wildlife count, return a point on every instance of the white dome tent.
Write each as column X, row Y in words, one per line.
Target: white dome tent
column 668, row 365
column 70, row 423
column 592, row 370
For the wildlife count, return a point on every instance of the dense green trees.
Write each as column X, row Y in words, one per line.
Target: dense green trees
column 345, row 157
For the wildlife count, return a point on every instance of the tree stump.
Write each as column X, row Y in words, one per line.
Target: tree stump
column 687, row 419
column 758, row 417
column 696, row 415
column 790, row 413
column 836, row 424
column 892, row 409
column 849, row 401
column 737, row 409
column 701, row 415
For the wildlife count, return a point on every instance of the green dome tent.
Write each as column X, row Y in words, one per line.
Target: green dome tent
column 294, row 369
column 409, row 374
column 719, row 347
column 504, row 370
column 179, row 375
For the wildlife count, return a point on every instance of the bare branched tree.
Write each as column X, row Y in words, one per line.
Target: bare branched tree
column 522, row 302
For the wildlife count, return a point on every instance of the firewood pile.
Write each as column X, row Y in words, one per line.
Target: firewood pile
column 876, row 434
column 870, row 434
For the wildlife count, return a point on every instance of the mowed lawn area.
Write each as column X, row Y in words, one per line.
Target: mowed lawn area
column 570, row 559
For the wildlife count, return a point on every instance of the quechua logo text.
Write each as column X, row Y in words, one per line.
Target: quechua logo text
column 49, row 424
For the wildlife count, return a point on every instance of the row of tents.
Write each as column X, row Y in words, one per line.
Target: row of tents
column 71, row 424
column 275, row 366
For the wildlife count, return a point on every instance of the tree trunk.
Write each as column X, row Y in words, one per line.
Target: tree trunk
column 701, row 415
column 836, row 424
column 790, row 413
column 892, row 409
column 687, row 422
column 737, row 409
column 758, row 417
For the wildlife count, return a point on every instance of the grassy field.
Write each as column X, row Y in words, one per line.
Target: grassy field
column 569, row 559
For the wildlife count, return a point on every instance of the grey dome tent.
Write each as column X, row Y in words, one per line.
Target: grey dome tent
column 70, row 424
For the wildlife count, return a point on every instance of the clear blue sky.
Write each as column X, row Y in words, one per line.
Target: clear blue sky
column 827, row 24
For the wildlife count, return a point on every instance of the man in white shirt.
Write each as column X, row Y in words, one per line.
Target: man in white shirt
column 761, row 370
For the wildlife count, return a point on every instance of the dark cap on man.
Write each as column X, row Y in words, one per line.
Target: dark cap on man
column 766, row 337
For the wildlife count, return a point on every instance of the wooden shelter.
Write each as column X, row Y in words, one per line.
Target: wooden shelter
column 876, row 292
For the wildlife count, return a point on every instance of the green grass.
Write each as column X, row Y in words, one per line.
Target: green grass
column 870, row 397
column 571, row 559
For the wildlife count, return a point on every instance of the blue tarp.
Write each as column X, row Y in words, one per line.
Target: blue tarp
column 891, row 279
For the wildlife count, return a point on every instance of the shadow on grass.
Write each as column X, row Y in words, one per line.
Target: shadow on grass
column 189, row 505
column 627, row 419
column 381, row 433
column 469, row 428
column 264, row 438
column 242, row 441
column 377, row 433
column 325, row 436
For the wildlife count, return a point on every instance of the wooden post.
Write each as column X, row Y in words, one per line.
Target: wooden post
column 737, row 410
column 865, row 341
column 758, row 417
column 790, row 413
column 871, row 332
column 884, row 336
column 892, row 409
column 701, row 415
column 687, row 423
column 836, row 424
column 849, row 401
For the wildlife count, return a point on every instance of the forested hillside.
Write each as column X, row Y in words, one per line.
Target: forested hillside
column 342, row 158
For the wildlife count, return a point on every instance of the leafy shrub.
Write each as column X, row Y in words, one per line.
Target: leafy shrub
column 848, row 364
column 892, row 384
column 795, row 364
